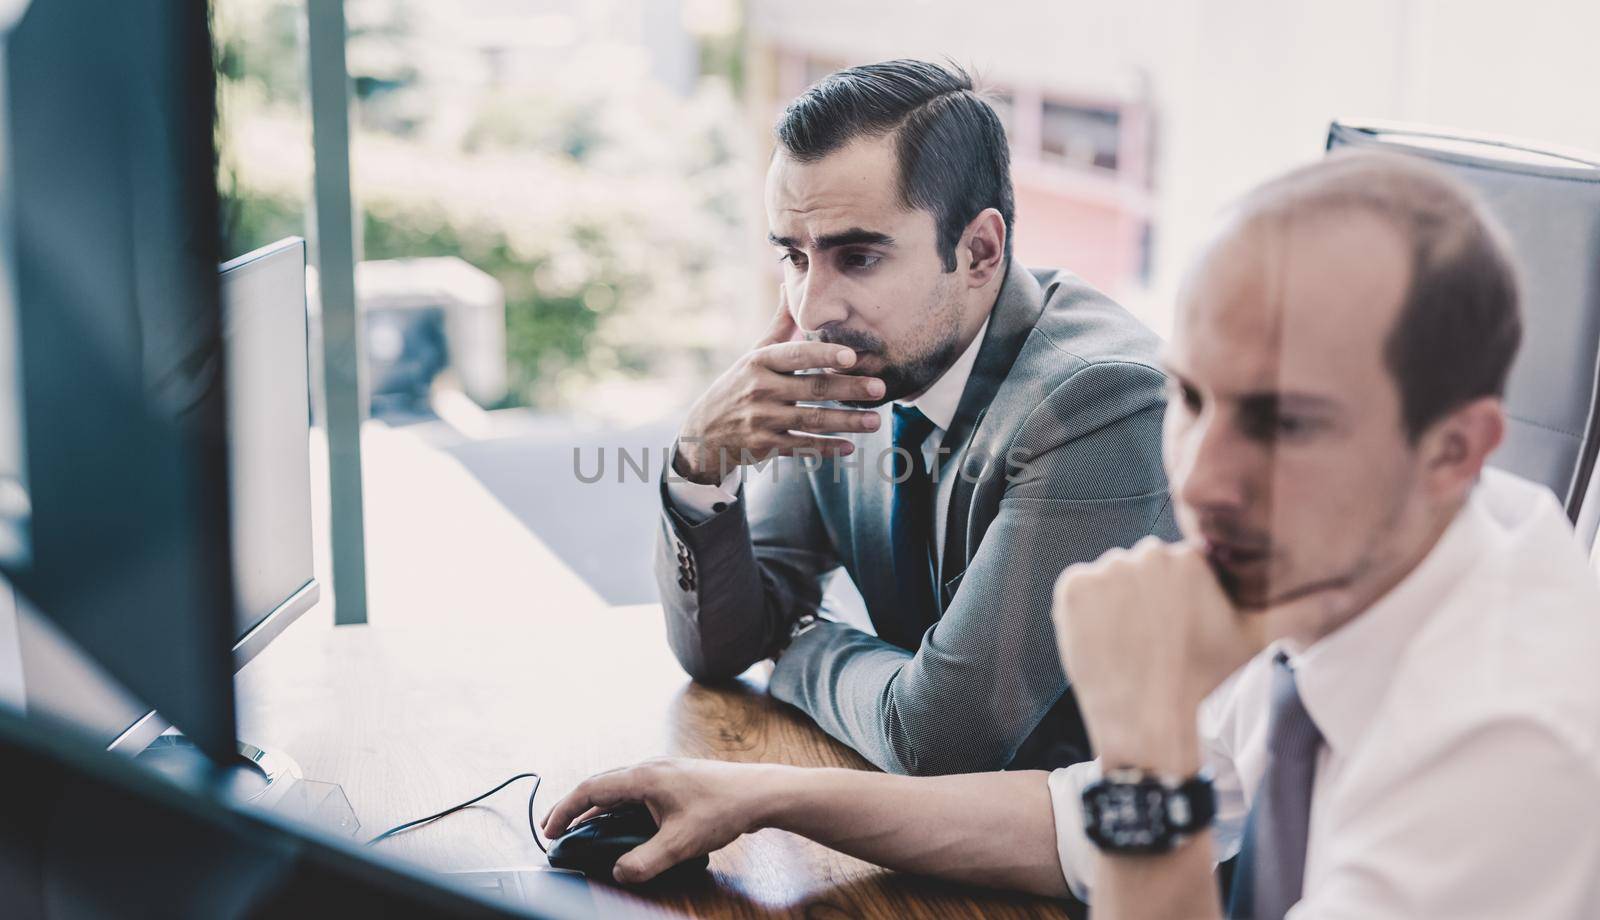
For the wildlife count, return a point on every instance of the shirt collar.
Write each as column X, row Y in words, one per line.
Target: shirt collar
column 941, row 399
column 1342, row 678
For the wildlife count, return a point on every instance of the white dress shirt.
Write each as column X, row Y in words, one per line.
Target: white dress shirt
column 1460, row 769
column 698, row 501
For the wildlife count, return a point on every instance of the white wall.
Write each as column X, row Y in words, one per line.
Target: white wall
column 1245, row 88
column 1262, row 79
column 1098, row 47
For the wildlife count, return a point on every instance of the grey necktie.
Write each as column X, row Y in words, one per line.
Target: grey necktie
column 1272, row 860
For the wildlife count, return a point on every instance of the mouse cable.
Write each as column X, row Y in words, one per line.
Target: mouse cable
column 455, row 808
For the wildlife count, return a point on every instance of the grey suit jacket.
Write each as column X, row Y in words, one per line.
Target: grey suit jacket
column 1056, row 444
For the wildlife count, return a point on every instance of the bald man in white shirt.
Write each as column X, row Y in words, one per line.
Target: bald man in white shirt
column 1369, row 667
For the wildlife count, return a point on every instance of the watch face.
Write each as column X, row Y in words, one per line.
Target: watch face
column 1129, row 817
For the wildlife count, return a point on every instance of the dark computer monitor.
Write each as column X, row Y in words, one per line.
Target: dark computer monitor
column 109, row 111
column 269, row 472
column 125, row 410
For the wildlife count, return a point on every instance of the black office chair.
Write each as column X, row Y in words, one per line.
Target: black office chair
column 1589, row 512
column 1549, row 203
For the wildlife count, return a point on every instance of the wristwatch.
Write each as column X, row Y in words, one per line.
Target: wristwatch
column 1133, row 811
column 805, row 624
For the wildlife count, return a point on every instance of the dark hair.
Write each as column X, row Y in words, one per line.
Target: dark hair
column 1460, row 325
column 950, row 145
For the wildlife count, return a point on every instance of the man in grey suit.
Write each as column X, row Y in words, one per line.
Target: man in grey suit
column 1024, row 437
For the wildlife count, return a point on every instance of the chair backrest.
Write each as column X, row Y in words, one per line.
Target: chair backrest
column 1588, row 525
column 1549, row 204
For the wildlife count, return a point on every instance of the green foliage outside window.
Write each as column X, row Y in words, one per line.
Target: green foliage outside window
column 610, row 212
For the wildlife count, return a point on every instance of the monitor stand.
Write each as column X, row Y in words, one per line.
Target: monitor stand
column 260, row 779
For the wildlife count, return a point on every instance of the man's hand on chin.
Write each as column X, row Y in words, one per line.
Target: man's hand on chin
column 1144, row 635
column 753, row 411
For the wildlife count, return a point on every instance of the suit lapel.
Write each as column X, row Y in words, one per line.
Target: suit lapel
column 1016, row 312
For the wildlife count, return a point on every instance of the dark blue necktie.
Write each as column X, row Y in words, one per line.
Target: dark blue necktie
column 1272, row 860
column 911, row 528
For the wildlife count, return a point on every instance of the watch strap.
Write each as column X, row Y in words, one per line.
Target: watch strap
column 803, row 625
column 1201, row 797
column 1132, row 811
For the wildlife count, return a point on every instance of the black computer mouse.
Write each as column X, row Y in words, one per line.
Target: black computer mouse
column 592, row 847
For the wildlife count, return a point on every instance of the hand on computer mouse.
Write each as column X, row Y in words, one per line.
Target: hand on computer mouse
column 700, row 806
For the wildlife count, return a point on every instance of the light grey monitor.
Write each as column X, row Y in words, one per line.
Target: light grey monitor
column 13, row 477
column 269, row 431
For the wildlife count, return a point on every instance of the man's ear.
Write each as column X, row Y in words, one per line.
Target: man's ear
column 982, row 250
column 1456, row 447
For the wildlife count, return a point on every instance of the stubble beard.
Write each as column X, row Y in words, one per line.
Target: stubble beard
column 910, row 376
column 1376, row 563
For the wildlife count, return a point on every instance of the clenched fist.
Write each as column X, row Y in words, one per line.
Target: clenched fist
column 750, row 413
column 1144, row 635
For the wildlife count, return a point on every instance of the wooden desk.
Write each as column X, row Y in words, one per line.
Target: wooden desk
column 486, row 657
column 411, row 720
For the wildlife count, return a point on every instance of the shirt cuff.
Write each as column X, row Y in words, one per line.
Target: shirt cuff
column 699, row 502
column 1073, row 847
